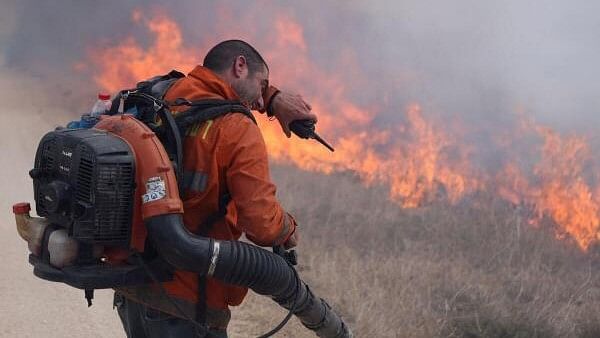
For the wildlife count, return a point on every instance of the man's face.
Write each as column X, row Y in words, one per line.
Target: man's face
column 251, row 87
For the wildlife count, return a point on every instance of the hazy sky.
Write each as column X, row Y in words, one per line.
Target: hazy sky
column 479, row 59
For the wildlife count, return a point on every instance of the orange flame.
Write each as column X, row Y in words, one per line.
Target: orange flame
column 565, row 195
column 113, row 74
column 559, row 188
column 417, row 159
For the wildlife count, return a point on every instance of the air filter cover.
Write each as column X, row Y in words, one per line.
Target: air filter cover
column 84, row 181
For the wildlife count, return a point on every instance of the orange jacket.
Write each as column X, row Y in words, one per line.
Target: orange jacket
column 227, row 154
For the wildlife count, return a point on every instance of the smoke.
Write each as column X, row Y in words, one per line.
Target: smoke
column 476, row 70
column 487, row 59
column 462, row 59
column 465, row 59
column 483, row 64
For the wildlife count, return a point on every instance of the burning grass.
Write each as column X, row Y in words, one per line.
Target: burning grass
column 464, row 270
column 476, row 252
column 473, row 269
column 421, row 159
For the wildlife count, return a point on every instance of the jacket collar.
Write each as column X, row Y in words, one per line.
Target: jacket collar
column 213, row 83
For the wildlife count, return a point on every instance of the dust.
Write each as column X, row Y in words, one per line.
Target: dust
column 31, row 307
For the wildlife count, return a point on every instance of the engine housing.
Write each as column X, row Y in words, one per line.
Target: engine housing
column 84, row 181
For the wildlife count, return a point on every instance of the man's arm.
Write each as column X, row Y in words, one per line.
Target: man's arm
column 286, row 107
column 260, row 215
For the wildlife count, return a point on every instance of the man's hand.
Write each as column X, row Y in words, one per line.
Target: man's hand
column 289, row 107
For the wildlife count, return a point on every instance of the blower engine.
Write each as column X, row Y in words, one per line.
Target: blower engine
column 111, row 216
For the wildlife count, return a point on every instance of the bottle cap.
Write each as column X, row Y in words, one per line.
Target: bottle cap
column 21, row 208
column 103, row 96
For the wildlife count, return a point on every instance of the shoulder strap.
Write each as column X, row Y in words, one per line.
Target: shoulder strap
column 208, row 109
column 204, row 229
column 158, row 85
column 210, row 221
column 201, row 111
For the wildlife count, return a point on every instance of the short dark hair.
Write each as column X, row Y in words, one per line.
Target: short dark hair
column 221, row 56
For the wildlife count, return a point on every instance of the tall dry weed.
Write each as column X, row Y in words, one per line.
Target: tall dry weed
column 476, row 269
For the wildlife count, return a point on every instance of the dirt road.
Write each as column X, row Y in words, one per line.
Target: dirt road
column 30, row 307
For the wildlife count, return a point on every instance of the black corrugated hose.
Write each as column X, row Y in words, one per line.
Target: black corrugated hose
column 245, row 265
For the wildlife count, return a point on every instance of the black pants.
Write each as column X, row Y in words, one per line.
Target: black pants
column 140, row 321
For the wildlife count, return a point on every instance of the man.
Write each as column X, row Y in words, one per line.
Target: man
column 225, row 159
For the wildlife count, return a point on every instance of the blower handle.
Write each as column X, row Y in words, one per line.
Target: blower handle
column 290, row 256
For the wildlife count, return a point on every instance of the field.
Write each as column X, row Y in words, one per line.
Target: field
column 475, row 269
column 471, row 270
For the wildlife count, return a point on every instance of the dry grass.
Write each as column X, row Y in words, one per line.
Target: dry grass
column 470, row 270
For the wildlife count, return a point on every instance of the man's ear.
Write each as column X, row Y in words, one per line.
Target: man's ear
column 240, row 67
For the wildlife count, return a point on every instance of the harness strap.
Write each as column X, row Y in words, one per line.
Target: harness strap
column 201, row 306
column 204, row 110
column 201, row 111
column 210, row 221
column 158, row 85
column 205, row 227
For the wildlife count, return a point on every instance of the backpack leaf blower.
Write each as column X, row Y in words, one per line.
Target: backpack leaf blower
column 109, row 195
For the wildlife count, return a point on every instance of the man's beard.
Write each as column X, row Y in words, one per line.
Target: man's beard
column 242, row 90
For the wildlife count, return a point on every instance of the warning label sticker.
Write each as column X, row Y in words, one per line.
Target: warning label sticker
column 155, row 190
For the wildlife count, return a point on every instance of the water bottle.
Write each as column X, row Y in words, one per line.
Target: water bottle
column 101, row 106
column 89, row 120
